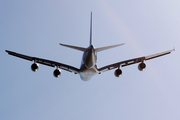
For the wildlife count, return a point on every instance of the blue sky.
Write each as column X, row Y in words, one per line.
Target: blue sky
column 36, row 28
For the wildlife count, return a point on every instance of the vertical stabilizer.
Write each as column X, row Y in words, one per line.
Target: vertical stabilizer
column 91, row 30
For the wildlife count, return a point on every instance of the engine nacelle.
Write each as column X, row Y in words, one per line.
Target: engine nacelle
column 34, row 67
column 57, row 73
column 118, row 72
column 141, row 66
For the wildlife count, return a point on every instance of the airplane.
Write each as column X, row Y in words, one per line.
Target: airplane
column 88, row 67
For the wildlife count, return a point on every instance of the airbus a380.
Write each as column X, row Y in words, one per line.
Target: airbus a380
column 88, row 66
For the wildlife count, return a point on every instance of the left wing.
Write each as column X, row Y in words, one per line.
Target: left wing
column 133, row 61
column 45, row 62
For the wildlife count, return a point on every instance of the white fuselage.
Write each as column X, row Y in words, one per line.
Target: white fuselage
column 88, row 66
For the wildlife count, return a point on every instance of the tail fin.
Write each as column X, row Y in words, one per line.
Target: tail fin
column 107, row 47
column 75, row 47
column 91, row 30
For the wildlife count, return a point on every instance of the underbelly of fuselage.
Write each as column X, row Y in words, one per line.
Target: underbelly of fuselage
column 87, row 73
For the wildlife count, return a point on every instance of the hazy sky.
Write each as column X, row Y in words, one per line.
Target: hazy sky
column 36, row 27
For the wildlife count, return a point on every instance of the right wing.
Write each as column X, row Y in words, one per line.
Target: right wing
column 133, row 61
column 45, row 62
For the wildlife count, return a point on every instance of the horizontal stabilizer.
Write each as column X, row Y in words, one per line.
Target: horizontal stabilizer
column 75, row 47
column 108, row 47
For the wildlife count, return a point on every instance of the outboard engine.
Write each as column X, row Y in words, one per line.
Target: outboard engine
column 34, row 67
column 141, row 66
column 57, row 73
column 118, row 72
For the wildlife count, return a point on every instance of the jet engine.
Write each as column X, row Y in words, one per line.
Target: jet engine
column 141, row 66
column 34, row 67
column 118, row 72
column 57, row 73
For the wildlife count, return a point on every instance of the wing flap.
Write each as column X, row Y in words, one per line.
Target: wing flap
column 57, row 64
column 121, row 64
